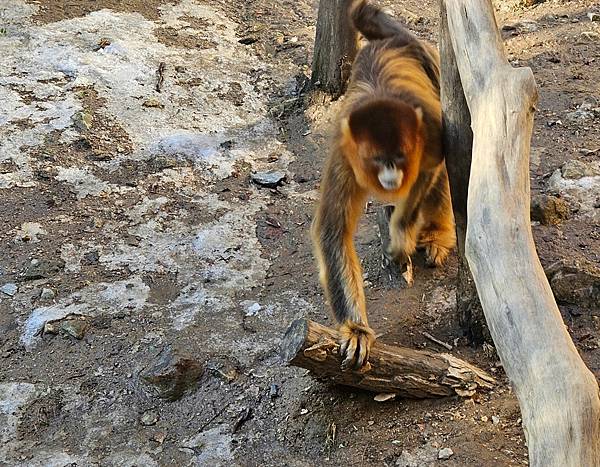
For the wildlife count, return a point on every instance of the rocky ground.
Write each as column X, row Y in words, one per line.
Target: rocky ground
column 147, row 273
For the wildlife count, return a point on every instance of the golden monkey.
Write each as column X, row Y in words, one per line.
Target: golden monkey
column 387, row 145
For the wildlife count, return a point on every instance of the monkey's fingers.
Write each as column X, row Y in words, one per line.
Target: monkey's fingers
column 348, row 351
column 355, row 343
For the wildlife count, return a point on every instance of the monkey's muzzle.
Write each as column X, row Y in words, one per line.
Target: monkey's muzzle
column 390, row 178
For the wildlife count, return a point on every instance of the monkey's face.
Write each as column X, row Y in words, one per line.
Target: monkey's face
column 383, row 143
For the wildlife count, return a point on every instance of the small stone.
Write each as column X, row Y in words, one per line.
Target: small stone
column 153, row 102
column 303, row 411
column 90, row 258
column 29, row 232
column 271, row 179
column 47, row 294
column 149, row 418
column 172, row 374
column 159, row 437
column 82, row 120
column 593, row 16
column 225, row 368
column 9, row 289
column 50, row 328
column 103, row 42
column 43, row 269
column 575, row 169
column 445, row 453
column 484, row 418
column 495, row 419
column 227, row 145
column 384, row 397
column 253, row 309
column 248, row 40
column 525, row 25
column 274, row 391
column 528, row 25
column 590, row 36
column 74, row 327
column 548, row 209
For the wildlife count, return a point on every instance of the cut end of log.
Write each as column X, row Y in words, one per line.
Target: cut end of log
column 293, row 340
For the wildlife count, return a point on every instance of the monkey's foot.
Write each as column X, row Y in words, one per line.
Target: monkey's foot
column 436, row 254
column 355, row 344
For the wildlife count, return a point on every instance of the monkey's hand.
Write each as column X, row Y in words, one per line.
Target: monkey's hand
column 355, row 344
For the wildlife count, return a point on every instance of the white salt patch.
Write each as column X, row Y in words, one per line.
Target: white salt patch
column 214, row 446
column 13, row 396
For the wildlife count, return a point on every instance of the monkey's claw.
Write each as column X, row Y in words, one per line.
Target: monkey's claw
column 355, row 344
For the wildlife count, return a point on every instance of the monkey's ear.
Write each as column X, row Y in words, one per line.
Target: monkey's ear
column 346, row 131
column 348, row 141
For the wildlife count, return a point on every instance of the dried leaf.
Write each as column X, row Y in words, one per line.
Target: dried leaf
column 384, row 397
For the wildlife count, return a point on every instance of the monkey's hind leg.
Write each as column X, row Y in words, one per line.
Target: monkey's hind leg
column 404, row 231
column 438, row 235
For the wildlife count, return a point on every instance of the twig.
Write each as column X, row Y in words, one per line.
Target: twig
column 244, row 416
column 212, row 419
column 160, row 74
column 437, row 341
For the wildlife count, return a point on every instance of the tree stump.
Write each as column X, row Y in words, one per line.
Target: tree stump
column 335, row 47
column 457, row 144
column 391, row 369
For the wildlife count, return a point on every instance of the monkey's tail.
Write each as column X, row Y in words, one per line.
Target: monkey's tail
column 373, row 23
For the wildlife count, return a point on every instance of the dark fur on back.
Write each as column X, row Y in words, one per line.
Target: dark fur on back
column 374, row 24
column 383, row 32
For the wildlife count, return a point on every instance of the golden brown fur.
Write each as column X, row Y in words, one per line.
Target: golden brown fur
column 387, row 145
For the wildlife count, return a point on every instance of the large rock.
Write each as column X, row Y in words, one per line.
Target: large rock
column 575, row 282
column 575, row 169
column 548, row 209
column 172, row 374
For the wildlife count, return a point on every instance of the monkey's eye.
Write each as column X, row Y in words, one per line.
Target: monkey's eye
column 399, row 158
column 381, row 160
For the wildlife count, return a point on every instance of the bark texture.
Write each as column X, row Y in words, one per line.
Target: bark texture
column 457, row 143
column 335, row 47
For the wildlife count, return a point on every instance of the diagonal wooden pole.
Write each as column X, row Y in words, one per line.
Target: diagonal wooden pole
column 558, row 395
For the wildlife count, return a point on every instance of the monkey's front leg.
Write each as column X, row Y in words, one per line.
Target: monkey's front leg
column 340, row 271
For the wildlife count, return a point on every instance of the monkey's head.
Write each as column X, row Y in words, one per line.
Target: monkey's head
column 382, row 140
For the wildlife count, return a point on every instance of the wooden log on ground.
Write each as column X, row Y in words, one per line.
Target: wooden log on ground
column 335, row 47
column 391, row 369
column 558, row 395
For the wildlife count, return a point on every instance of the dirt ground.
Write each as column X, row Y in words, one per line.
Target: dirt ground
column 146, row 280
